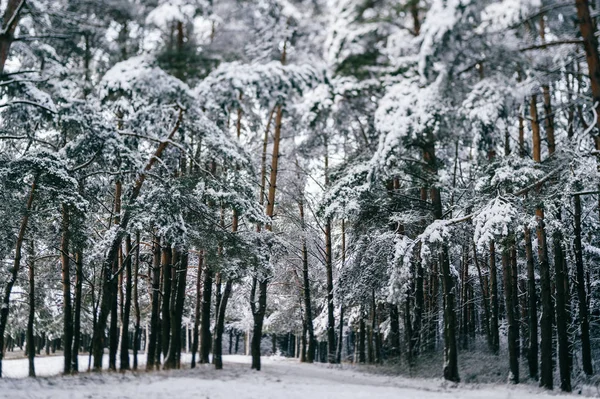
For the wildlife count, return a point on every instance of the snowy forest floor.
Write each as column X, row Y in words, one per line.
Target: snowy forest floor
column 280, row 378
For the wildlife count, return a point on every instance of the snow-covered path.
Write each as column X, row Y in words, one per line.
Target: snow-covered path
column 280, row 378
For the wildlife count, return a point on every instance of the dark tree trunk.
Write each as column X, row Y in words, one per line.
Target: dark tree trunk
column 31, row 318
column 484, row 299
column 77, row 314
column 154, row 327
column 66, row 283
column 532, row 352
column 126, row 307
column 197, row 310
column 394, row 330
column 494, row 299
column 546, row 379
column 173, row 356
column 136, row 303
column 562, row 324
column 220, row 326
column 10, row 20
column 167, row 266
column 450, row 349
column 586, row 351
column 258, row 313
column 205, row 336
column 329, row 286
column 513, row 347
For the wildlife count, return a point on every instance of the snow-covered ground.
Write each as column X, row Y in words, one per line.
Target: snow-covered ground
column 280, row 378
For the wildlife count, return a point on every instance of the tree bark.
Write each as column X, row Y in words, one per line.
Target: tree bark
column 197, row 310
column 31, row 317
column 532, row 352
column 10, row 20
column 155, row 312
column 77, row 313
column 513, row 348
column 127, row 306
column 167, row 266
column 259, row 314
column 66, row 284
column 136, row 302
column 220, row 325
column 562, row 324
column 205, row 336
column 173, row 357
column 494, row 300
column 546, row 379
column 584, row 324
column 310, row 357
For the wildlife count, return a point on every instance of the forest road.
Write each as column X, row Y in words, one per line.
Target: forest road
column 279, row 378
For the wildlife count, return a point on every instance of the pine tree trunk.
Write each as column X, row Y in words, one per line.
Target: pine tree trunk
column 155, row 312
column 259, row 314
column 562, row 324
column 10, row 19
column 126, row 307
column 173, row 357
column 513, row 348
column 308, row 316
column 494, row 328
column 31, row 316
column 220, row 325
column 546, row 379
column 205, row 336
column 197, row 310
column 532, row 352
column 66, row 284
column 136, row 303
column 361, row 340
column 484, row 299
column 586, row 352
column 329, row 286
column 77, row 314
column 167, row 266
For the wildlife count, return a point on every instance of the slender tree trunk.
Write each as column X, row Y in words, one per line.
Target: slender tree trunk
column 167, row 266
column 205, row 336
column 546, row 379
column 136, row 302
column 513, row 348
column 494, row 299
column 306, row 283
column 484, row 299
column 562, row 324
column 532, row 352
column 31, row 318
column 77, row 314
column 4, row 309
column 197, row 310
column 155, row 312
column 361, row 340
column 127, row 307
column 329, row 286
column 66, row 283
column 116, row 266
column 173, row 357
column 220, row 325
column 584, row 324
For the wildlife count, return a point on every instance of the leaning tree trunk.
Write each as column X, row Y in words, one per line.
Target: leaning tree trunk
column 107, row 292
column 4, row 309
column 10, row 20
column 586, row 351
column 66, row 284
